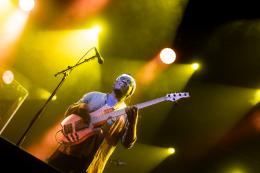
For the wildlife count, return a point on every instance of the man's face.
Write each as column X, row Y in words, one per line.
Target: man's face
column 123, row 85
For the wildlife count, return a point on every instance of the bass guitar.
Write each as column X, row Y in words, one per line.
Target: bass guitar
column 74, row 130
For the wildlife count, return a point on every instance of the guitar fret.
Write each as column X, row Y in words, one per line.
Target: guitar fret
column 119, row 112
column 104, row 117
column 149, row 103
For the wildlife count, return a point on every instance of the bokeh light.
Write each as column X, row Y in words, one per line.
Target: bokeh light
column 26, row 5
column 8, row 77
column 167, row 56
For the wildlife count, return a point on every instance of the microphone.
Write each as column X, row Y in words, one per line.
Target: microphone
column 100, row 59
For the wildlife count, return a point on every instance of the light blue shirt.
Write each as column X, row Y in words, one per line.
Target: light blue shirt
column 95, row 100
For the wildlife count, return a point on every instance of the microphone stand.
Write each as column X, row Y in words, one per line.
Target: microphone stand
column 65, row 74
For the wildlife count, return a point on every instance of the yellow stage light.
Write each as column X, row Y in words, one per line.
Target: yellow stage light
column 257, row 96
column 195, row 66
column 5, row 6
column 167, row 56
column 237, row 170
column 26, row 5
column 8, row 77
column 93, row 33
column 171, row 150
column 54, row 98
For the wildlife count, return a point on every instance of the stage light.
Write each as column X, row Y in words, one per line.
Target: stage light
column 41, row 93
column 14, row 24
column 8, row 77
column 54, row 98
column 257, row 96
column 171, row 150
column 5, row 6
column 195, row 66
column 45, row 95
column 167, row 56
column 255, row 99
column 237, row 170
column 93, row 33
column 26, row 5
column 96, row 29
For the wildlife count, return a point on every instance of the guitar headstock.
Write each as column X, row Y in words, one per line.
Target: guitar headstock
column 176, row 96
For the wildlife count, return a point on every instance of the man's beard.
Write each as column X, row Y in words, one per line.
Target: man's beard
column 119, row 93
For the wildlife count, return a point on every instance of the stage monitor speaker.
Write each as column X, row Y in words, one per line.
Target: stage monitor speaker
column 14, row 159
column 12, row 96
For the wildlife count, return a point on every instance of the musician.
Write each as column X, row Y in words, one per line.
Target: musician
column 93, row 153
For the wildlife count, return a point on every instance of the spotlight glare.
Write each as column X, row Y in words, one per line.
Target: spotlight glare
column 171, row 150
column 257, row 96
column 26, row 5
column 237, row 170
column 96, row 29
column 195, row 66
column 8, row 77
column 5, row 5
column 167, row 56
column 54, row 98
column 93, row 33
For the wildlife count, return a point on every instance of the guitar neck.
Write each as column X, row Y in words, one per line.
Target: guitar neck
column 150, row 103
column 120, row 112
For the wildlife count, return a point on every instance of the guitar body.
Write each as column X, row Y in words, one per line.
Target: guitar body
column 75, row 130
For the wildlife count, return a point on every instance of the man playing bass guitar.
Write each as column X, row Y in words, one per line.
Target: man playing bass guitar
column 87, row 146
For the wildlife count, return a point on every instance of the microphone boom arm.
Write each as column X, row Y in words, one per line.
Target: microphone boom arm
column 65, row 74
column 72, row 67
